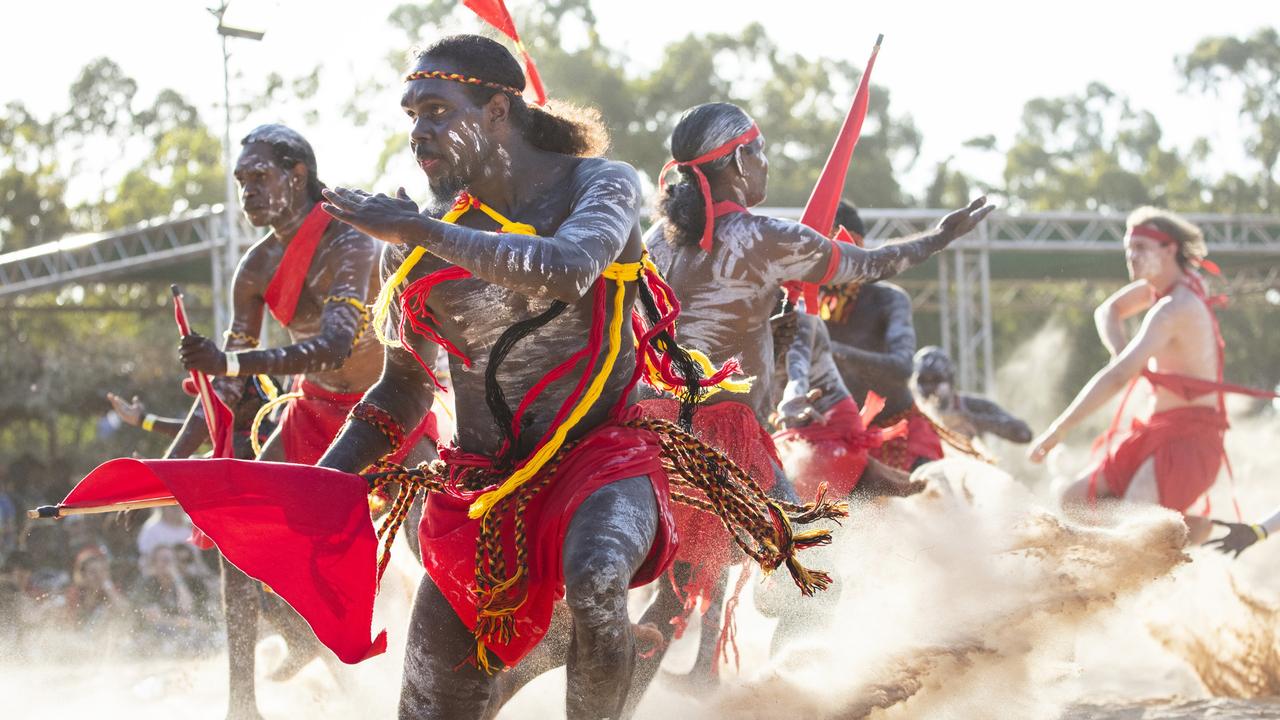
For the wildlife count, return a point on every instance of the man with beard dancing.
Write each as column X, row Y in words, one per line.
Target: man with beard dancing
column 572, row 484
column 316, row 277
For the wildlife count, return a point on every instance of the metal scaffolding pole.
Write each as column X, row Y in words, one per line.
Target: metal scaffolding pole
column 944, row 305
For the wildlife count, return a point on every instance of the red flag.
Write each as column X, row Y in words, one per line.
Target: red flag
column 820, row 211
column 496, row 14
column 304, row 531
column 217, row 416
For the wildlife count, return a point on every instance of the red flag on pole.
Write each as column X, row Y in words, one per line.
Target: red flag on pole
column 496, row 14
column 820, row 211
column 217, row 416
column 304, row 531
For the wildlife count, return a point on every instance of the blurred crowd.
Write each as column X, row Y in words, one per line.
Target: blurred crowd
column 129, row 583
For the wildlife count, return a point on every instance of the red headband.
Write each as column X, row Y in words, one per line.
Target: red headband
column 1149, row 231
column 1164, row 238
column 722, row 151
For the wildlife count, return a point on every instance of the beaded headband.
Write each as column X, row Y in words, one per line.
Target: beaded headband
column 441, row 75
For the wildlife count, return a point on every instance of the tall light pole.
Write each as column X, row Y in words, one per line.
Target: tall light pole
column 224, row 259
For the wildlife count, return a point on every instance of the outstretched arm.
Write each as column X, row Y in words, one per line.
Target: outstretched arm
column 190, row 436
column 352, row 256
column 800, row 253
column 561, row 266
column 1157, row 329
column 1132, row 299
column 133, row 412
column 405, row 391
column 1242, row 536
column 988, row 417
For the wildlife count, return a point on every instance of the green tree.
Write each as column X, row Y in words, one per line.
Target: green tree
column 1095, row 152
column 32, row 186
column 1251, row 66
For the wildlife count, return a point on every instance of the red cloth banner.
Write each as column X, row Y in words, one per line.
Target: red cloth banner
column 304, row 531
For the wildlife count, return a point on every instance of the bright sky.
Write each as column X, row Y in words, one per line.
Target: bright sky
column 960, row 70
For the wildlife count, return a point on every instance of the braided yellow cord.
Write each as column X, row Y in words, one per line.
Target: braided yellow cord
column 263, row 412
column 268, row 386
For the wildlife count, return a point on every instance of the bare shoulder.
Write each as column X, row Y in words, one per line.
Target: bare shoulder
column 887, row 295
column 258, row 263
column 344, row 238
column 601, row 176
column 1181, row 306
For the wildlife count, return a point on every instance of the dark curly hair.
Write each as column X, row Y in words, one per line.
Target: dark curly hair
column 847, row 215
column 557, row 127
column 289, row 148
column 700, row 130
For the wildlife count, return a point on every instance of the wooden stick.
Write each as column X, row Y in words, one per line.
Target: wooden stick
column 53, row 512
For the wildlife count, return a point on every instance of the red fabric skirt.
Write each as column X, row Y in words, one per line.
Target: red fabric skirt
column 920, row 443
column 1186, row 443
column 608, row 454
column 836, row 453
column 310, row 423
column 731, row 428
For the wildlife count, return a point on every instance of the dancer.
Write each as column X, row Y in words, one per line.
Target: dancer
column 1173, row 455
column 818, row 413
column 727, row 266
column 873, row 341
column 571, row 484
column 969, row 415
column 316, row 277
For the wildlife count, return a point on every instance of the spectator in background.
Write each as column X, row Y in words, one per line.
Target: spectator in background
column 167, row 526
column 17, row 600
column 172, row 607
column 93, row 600
column 9, row 519
column 197, row 573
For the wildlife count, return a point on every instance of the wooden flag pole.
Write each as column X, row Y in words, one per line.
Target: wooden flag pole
column 53, row 512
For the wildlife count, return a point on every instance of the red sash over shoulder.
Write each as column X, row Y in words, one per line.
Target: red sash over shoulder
column 286, row 285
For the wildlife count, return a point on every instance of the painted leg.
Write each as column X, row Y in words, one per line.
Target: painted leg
column 240, row 605
column 608, row 540
column 438, row 684
column 666, row 605
column 703, row 674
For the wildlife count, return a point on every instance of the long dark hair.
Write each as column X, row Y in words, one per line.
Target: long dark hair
column 557, row 127
column 700, row 130
column 289, row 148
